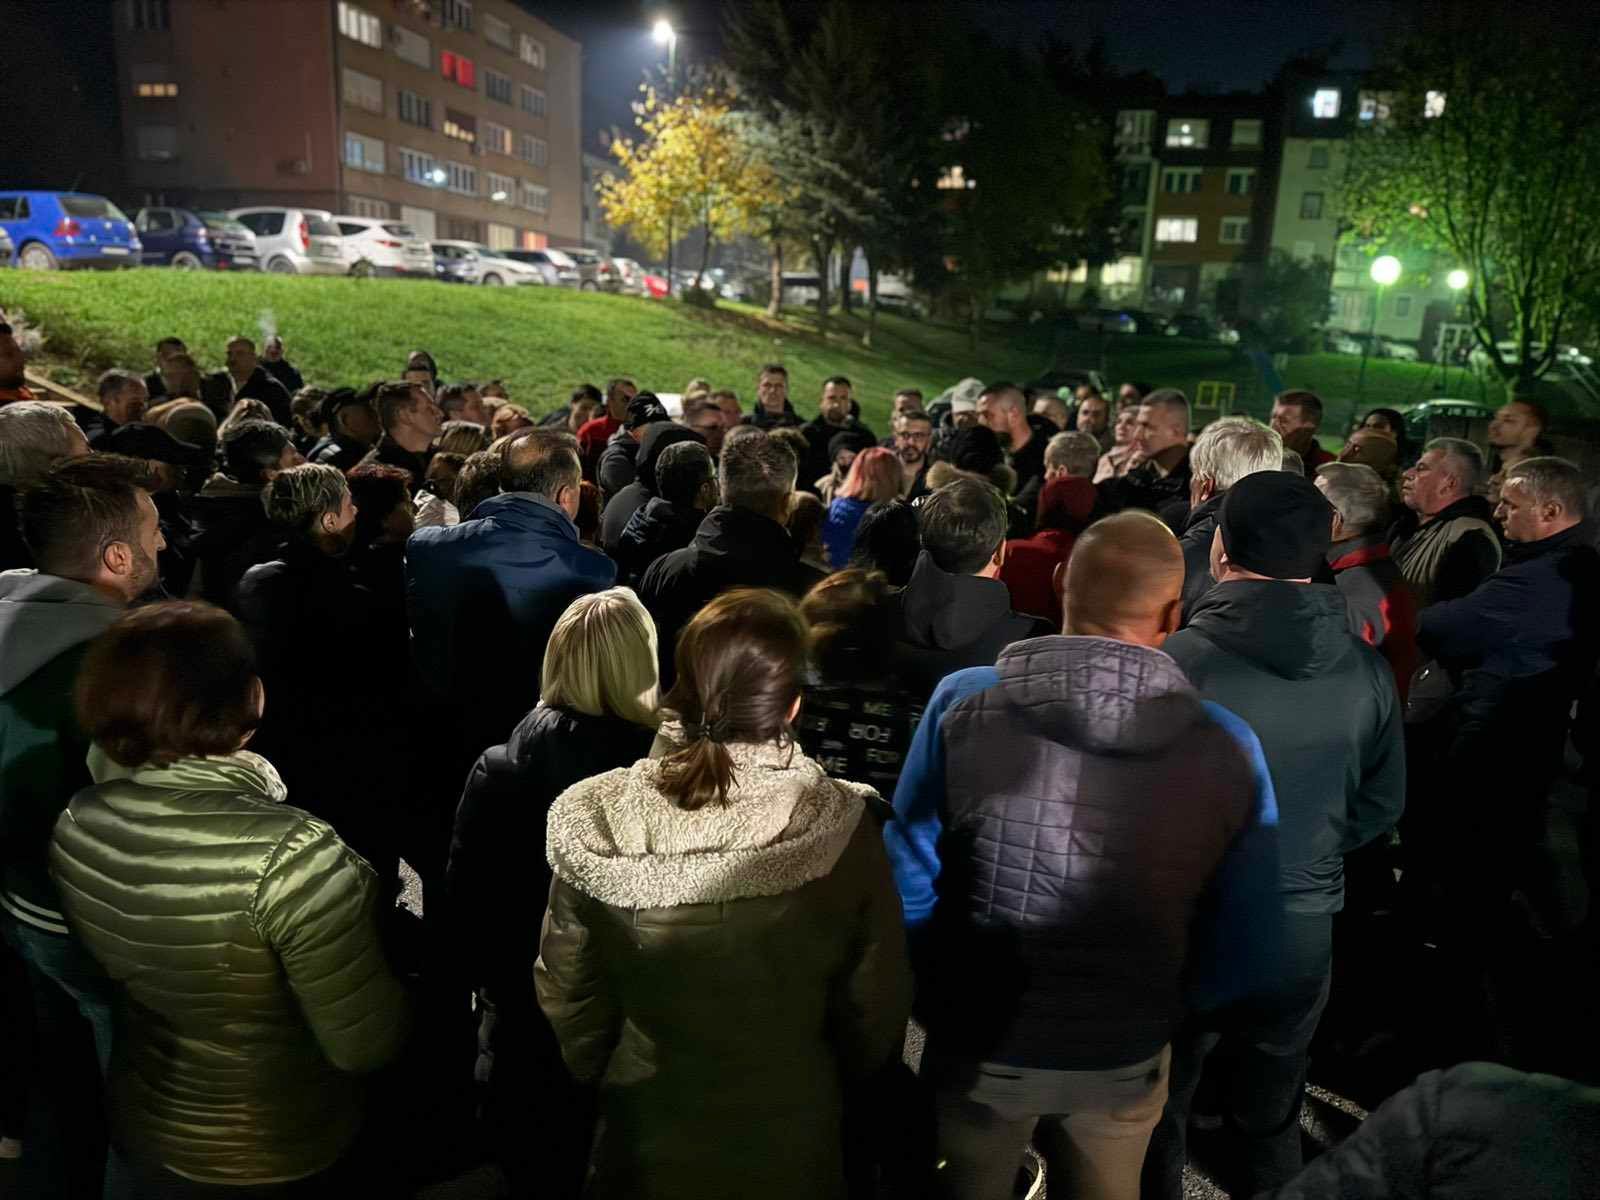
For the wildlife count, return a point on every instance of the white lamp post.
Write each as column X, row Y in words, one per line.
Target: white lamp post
column 665, row 35
column 1385, row 270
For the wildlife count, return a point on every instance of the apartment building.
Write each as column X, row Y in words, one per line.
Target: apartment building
column 1212, row 204
column 462, row 117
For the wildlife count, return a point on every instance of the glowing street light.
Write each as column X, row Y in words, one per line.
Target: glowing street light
column 663, row 33
column 1458, row 279
column 437, row 175
column 1385, row 270
column 498, row 197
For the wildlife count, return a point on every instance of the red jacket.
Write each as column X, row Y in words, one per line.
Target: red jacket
column 1065, row 506
column 1383, row 611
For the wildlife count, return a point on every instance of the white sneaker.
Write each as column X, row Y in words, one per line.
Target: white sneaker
column 10, row 1149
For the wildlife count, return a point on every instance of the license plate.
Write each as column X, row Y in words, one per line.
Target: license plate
column 113, row 250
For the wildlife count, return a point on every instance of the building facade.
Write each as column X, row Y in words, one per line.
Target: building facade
column 596, row 232
column 461, row 117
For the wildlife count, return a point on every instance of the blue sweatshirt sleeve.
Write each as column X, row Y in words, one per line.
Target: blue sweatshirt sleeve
column 1237, row 943
column 912, row 838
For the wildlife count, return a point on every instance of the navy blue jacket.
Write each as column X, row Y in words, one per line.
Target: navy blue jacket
column 483, row 597
column 1072, row 826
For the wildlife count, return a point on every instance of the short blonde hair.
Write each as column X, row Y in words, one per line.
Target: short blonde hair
column 601, row 659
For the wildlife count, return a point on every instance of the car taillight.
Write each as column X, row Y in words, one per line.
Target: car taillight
column 68, row 227
column 305, row 235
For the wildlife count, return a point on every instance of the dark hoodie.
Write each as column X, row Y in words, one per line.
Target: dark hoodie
column 733, row 547
column 762, row 419
column 945, row 622
column 659, row 528
column 1323, row 703
column 231, row 535
column 630, row 498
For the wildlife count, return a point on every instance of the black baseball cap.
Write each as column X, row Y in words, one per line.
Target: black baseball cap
column 645, row 409
column 1276, row 524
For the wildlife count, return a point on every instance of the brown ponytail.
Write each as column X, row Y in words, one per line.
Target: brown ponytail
column 739, row 670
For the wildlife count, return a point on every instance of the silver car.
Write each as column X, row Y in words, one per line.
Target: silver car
column 297, row 241
column 8, row 249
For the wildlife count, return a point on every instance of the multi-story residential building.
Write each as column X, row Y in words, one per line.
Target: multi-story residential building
column 461, row 117
column 1212, row 201
column 1322, row 114
column 596, row 233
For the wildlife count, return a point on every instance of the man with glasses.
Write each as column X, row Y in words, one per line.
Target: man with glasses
column 911, row 444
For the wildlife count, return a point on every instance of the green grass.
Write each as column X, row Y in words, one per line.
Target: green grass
column 540, row 341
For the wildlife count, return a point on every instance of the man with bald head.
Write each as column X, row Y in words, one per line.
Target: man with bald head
column 1049, row 978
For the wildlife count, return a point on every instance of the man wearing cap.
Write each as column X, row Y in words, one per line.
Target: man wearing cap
column 842, row 450
column 833, row 418
column 1276, row 648
column 618, row 466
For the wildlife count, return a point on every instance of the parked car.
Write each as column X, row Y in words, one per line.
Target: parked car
column 1447, row 417
column 377, row 247
column 296, row 241
column 51, row 230
column 495, row 269
column 7, row 250
column 1190, row 325
column 190, row 240
column 631, row 274
column 596, row 273
column 454, row 262
column 558, row 270
column 1566, row 357
column 1399, row 351
column 1337, row 341
column 655, row 286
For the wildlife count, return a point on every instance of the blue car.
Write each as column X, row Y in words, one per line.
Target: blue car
column 68, row 229
column 189, row 240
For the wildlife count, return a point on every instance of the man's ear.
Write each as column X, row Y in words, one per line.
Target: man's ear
column 1171, row 618
column 117, row 557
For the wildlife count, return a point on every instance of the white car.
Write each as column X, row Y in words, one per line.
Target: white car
column 385, row 247
column 494, row 270
column 296, row 241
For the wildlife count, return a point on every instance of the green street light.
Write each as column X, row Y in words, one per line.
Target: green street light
column 1385, row 270
column 1458, row 279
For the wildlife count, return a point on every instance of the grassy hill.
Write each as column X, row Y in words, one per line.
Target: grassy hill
column 541, row 341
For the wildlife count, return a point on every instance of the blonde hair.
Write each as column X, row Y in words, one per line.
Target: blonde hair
column 601, row 659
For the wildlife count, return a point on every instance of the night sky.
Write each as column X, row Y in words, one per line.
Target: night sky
column 1189, row 43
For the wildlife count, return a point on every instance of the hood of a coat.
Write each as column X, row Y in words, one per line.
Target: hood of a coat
column 658, row 437
column 1098, row 695
column 1295, row 630
column 42, row 616
column 617, row 838
column 943, row 611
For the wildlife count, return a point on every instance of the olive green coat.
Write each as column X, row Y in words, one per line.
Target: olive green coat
column 242, row 932
column 721, row 975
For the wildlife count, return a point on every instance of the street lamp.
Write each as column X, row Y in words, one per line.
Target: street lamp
column 1457, row 281
column 665, row 35
column 1385, row 270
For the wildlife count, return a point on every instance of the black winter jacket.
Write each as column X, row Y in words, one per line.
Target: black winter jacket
column 733, row 547
column 1144, row 487
column 1196, row 543
column 499, row 877
column 339, row 452
column 617, row 466
column 658, row 528
column 1323, row 703
column 218, row 394
column 622, row 504
column 231, row 535
column 945, row 622
column 818, row 434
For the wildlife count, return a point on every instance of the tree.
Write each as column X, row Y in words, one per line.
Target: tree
column 1488, row 154
column 1289, row 301
column 692, row 166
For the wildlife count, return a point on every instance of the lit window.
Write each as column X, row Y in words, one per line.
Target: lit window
column 496, row 32
column 363, row 90
column 531, row 101
column 1246, row 134
column 1188, row 133
column 1325, row 104
column 1311, row 206
column 458, row 69
column 1181, row 181
column 415, row 109
column 955, row 180
column 156, row 91
column 157, row 143
column 1375, row 106
column 1241, row 182
column 462, row 179
column 359, row 25
column 459, row 125
column 531, row 51
column 363, row 153
column 497, row 86
column 501, row 237
column 1319, row 158
column 496, row 138
column 1177, row 229
column 1235, row 231
column 456, row 14
column 1433, row 105
column 412, row 48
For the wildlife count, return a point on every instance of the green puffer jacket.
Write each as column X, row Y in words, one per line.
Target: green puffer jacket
column 721, row 974
column 243, row 933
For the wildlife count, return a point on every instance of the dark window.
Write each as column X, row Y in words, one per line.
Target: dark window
column 1311, row 206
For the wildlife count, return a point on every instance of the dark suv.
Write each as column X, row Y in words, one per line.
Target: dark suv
column 190, row 240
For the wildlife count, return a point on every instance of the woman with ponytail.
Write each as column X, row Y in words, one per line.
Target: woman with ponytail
column 723, row 953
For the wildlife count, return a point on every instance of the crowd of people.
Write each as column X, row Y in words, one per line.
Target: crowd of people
column 727, row 745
